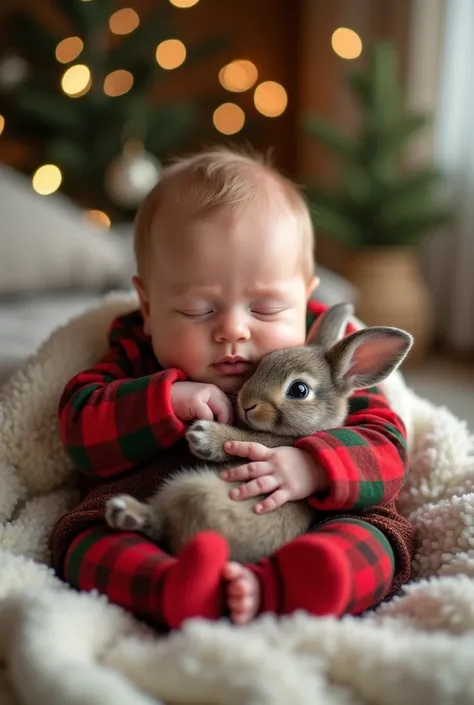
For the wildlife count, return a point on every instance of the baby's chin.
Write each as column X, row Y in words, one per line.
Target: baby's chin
column 230, row 383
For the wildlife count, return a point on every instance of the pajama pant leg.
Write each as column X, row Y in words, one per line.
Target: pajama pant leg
column 138, row 575
column 344, row 566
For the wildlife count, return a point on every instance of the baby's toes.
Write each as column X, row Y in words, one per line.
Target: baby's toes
column 243, row 593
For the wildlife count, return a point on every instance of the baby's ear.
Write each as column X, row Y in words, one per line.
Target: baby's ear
column 330, row 326
column 367, row 357
column 144, row 303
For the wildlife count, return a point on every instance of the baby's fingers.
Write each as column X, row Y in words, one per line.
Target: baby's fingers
column 275, row 500
column 262, row 485
column 248, row 449
column 202, row 411
column 221, row 407
column 249, row 471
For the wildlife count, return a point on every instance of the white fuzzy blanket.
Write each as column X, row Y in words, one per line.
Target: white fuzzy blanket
column 58, row 647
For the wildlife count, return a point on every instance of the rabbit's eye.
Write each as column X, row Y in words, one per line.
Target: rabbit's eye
column 297, row 390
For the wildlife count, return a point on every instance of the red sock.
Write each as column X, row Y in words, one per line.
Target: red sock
column 343, row 567
column 138, row 575
column 194, row 587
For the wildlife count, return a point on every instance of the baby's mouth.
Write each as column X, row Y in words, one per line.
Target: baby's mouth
column 238, row 367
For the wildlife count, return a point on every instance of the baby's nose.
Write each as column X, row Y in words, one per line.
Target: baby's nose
column 232, row 327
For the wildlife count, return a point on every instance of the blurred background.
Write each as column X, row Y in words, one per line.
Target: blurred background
column 368, row 104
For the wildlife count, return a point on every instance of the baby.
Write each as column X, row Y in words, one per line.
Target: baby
column 225, row 270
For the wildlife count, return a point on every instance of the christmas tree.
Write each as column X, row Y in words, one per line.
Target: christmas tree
column 84, row 100
column 377, row 201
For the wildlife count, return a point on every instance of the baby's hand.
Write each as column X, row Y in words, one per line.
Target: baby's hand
column 285, row 474
column 196, row 400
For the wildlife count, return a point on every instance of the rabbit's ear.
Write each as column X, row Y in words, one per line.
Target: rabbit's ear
column 330, row 326
column 367, row 357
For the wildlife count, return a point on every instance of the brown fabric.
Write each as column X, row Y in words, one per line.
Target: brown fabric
column 142, row 483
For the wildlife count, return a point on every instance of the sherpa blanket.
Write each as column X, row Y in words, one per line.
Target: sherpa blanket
column 58, row 647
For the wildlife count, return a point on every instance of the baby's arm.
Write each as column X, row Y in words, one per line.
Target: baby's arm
column 365, row 461
column 114, row 415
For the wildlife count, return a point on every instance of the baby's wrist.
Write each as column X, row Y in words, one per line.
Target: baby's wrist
column 319, row 477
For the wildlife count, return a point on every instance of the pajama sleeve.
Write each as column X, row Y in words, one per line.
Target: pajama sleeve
column 365, row 460
column 114, row 416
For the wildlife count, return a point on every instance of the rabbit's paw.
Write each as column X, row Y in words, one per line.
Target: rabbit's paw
column 206, row 440
column 126, row 513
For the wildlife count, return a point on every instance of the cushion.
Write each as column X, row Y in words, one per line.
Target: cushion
column 46, row 242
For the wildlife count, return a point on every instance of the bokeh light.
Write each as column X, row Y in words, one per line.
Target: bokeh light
column 270, row 99
column 47, row 179
column 124, row 21
column 69, row 49
column 98, row 218
column 2, row 124
column 228, row 118
column 346, row 43
column 76, row 81
column 170, row 54
column 184, row 3
column 238, row 76
column 118, row 83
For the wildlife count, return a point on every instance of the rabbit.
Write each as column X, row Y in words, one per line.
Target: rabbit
column 292, row 393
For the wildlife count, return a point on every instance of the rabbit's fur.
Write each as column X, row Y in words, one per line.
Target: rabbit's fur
column 196, row 499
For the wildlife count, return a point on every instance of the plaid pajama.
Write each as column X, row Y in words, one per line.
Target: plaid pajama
column 116, row 417
column 125, row 566
column 132, row 572
column 371, row 560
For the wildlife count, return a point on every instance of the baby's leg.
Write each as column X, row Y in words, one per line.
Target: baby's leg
column 138, row 575
column 344, row 567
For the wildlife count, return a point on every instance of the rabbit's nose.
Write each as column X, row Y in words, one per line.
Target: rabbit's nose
column 247, row 409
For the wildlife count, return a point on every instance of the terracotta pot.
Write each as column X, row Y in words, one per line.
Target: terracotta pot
column 391, row 291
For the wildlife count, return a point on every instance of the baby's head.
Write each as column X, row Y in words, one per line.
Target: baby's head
column 225, row 264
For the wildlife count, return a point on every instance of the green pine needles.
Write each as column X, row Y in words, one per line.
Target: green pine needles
column 377, row 201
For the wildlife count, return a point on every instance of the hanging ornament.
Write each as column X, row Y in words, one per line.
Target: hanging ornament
column 132, row 175
column 13, row 71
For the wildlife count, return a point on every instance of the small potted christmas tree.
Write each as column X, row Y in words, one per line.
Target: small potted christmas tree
column 380, row 210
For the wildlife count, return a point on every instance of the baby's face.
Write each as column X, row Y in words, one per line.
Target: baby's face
column 225, row 290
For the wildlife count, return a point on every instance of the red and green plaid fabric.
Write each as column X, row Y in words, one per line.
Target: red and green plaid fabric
column 357, row 564
column 117, row 415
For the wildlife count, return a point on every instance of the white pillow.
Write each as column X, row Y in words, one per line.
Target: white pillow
column 46, row 242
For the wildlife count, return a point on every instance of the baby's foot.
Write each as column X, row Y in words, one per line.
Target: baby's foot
column 242, row 591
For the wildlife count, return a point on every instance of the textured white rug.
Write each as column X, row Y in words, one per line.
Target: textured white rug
column 62, row 648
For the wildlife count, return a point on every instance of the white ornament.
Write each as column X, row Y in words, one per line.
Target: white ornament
column 13, row 71
column 131, row 176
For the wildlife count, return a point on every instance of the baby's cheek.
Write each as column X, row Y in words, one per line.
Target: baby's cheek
column 186, row 349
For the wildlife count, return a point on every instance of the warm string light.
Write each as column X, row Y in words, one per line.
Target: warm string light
column 76, row 81
column 170, row 54
column 47, row 179
column 2, row 124
column 270, row 99
column 346, row 43
column 228, row 118
column 118, row 83
column 184, row 3
column 69, row 49
column 98, row 218
column 238, row 76
column 124, row 21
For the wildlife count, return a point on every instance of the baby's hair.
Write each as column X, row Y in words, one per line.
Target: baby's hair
column 215, row 177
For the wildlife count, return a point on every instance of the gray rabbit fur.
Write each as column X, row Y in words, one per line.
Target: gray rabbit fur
column 293, row 393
